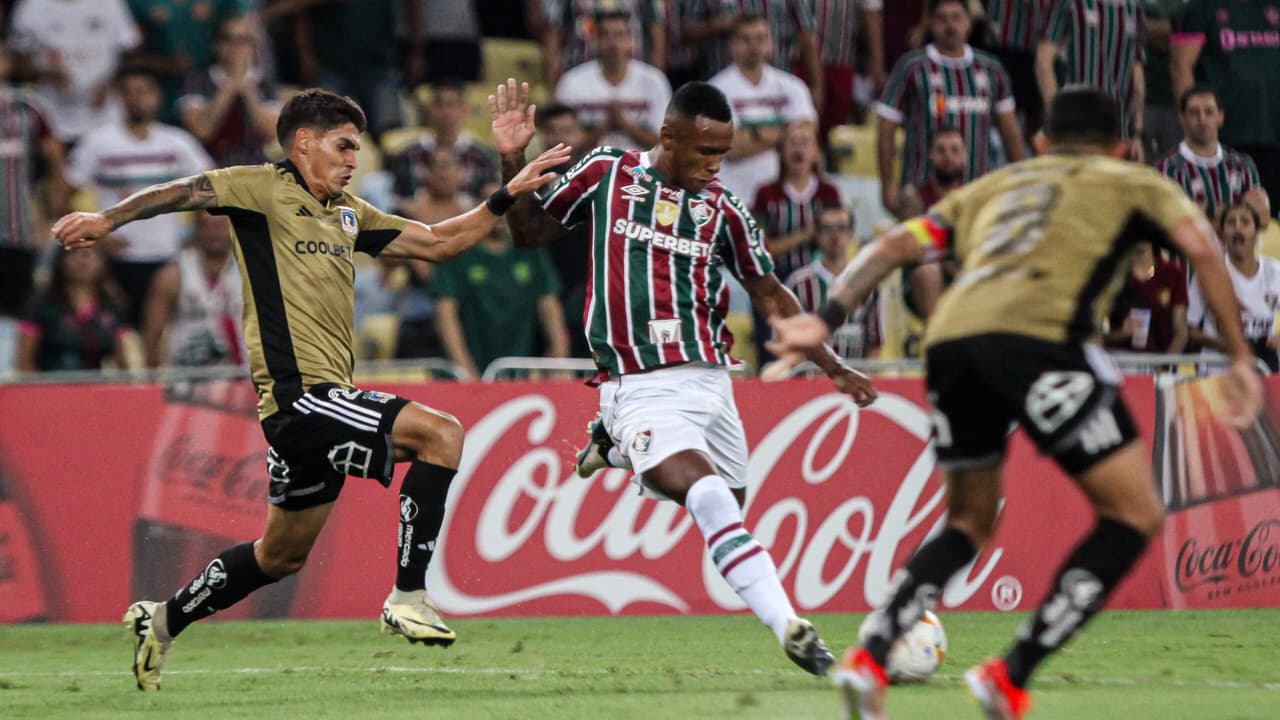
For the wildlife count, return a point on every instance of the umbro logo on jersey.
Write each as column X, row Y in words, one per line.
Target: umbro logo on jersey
column 632, row 193
column 303, row 212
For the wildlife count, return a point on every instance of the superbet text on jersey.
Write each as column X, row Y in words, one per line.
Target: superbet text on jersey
column 656, row 293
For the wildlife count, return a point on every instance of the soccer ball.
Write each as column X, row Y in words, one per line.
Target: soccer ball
column 916, row 656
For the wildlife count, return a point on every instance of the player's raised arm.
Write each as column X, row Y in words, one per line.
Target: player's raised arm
column 513, row 128
column 82, row 229
column 445, row 240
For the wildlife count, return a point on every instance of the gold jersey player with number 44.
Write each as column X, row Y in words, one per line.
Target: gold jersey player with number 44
column 1044, row 246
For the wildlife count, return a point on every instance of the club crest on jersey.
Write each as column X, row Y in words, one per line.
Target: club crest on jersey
column 632, row 193
column 643, row 440
column 347, row 216
column 666, row 212
column 700, row 211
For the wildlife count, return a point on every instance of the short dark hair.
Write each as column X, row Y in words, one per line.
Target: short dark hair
column 839, row 207
column 1199, row 89
column 612, row 14
column 129, row 70
column 935, row 4
column 1257, row 218
column 319, row 110
column 748, row 19
column 947, row 130
column 547, row 113
column 1082, row 114
column 449, row 83
column 700, row 98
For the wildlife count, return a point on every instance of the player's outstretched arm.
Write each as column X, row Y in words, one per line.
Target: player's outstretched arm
column 513, row 128
column 81, row 229
column 445, row 240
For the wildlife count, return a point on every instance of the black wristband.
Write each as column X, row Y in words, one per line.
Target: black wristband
column 500, row 201
column 833, row 314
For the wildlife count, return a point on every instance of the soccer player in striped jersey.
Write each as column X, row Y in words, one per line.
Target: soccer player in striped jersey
column 947, row 84
column 1213, row 175
column 664, row 232
column 859, row 336
column 1106, row 47
column 1014, row 27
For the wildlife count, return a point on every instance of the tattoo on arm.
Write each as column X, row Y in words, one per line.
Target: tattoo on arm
column 530, row 225
column 191, row 193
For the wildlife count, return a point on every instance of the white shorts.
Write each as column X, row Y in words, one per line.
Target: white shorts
column 652, row 416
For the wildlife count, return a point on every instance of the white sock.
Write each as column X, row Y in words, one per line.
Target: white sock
column 615, row 459
column 739, row 558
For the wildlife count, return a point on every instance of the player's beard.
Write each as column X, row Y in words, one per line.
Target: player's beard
column 948, row 177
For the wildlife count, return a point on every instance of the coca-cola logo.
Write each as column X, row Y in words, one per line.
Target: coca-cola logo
column 1251, row 557
column 538, row 508
column 189, row 463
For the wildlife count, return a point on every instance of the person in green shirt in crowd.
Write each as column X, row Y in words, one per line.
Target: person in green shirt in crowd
column 492, row 300
column 177, row 40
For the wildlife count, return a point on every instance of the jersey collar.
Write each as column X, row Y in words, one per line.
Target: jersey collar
column 302, row 183
column 935, row 55
column 1185, row 151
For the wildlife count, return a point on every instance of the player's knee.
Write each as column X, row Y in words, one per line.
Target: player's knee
column 280, row 563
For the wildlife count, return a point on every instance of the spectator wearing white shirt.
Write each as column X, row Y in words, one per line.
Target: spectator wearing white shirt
column 764, row 99
column 71, row 49
column 121, row 157
column 620, row 101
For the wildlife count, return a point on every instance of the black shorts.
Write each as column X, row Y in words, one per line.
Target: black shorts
column 329, row 433
column 1066, row 398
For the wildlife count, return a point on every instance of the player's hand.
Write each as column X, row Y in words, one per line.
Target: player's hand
column 1241, row 393
column 81, row 229
column 538, row 173
column 512, row 117
column 797, row 333
column 854, row 384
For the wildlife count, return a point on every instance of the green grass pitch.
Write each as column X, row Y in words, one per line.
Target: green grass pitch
column 1128, row 665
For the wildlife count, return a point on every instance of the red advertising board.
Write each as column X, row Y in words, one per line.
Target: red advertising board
column 129, row 490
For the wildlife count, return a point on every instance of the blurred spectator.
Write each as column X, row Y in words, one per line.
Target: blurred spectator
column 443, row 197
column 122, row 157
column 793, row 46
column 71, row 50
column 1150, row 314
column 349, row 46
column 1160, row 119
column 685, row 60
column 922, row 285
column 787, row 208
column 620, row 101
column 444, row 114
column 1014, row 28
column 444, row 42
column 29, row 153
column 1105, row 46
column 947, row 84
column 557, row 124
column 491, row 300
column 837, row 24
column 1235, row 47
column 1212, row 175
column 859, row 337
column 195, row 303
column 378, row 287
column 764, row 100
column 232, row 108
column 76, row 324
column 569, row 37
column 905, row 25
column 177, row 40
column 1257, row 284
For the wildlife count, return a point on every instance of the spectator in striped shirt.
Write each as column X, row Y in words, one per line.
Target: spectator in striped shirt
column 859, row 337
column 570, row 35
column 29, row 152
column 1105, row 46
column 1213, row 175
column 923, row 285
column 445, row 114
column 1014, row 27
column 838, row 23
column 947, row 84
column 788, row 207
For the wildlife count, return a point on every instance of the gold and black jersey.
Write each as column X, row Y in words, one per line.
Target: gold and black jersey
column 1044, row 245
column 299, row 282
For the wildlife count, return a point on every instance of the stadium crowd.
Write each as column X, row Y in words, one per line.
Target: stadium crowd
column 845, row 110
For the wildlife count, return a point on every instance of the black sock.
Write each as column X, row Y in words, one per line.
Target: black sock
column 422, row 497
column 225, row 581
column 918, row 586
column 1079, row 591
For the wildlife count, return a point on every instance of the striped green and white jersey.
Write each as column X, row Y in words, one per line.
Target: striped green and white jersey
column 836, row 23
column 928, row 91
column 1212, row 182
column 859, row 336
column 1016, row 24
column 1102, row 40
column 656, row 294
